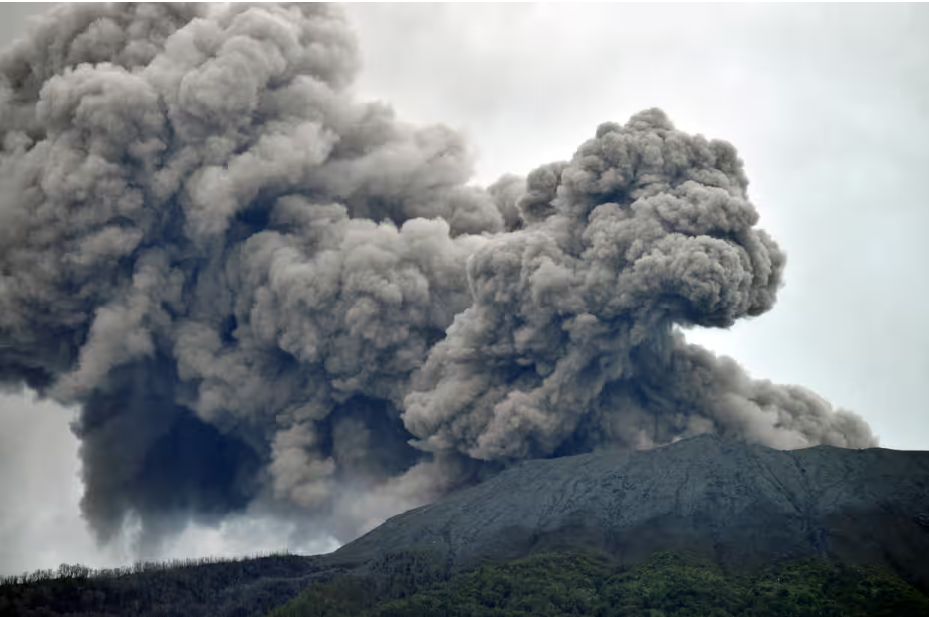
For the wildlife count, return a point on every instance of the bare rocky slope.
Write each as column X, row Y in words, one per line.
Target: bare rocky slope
column 740, row 504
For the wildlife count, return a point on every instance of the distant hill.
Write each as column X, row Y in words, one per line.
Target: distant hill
column 702, row 520
column 216, row 588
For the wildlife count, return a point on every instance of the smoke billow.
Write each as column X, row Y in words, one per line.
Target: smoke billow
column 262, row 290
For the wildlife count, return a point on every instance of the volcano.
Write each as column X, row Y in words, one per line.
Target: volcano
column 828, row 521
column 738, row 504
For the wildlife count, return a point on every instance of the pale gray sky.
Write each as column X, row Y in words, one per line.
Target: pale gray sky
column 827, row 104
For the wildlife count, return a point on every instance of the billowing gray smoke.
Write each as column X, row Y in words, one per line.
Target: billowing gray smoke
column 260, row 290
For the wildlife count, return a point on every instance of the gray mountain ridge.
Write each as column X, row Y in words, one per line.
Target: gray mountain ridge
column 742, row 505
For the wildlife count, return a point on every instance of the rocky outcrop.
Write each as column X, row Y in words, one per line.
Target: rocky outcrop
column 738, row 503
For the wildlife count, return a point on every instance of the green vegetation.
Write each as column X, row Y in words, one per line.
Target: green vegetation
column 418, row 583
column 208, row 587
column 667, row 585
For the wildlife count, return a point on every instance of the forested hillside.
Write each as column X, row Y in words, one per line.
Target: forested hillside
column 421, row 583
column 555, row 584
column 236, row 587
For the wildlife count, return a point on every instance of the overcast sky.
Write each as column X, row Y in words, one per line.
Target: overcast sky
column 828, row 106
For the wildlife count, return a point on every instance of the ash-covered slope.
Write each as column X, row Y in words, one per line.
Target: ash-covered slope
column 738, row 503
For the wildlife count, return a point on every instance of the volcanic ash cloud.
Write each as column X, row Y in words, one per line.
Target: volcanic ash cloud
column 261, row 290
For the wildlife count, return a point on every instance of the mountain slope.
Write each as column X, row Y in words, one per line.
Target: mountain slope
column 741, row 510
column 737, row 503
column 569, row 583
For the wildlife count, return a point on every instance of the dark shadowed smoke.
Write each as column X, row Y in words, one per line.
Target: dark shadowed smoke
column 261, row 290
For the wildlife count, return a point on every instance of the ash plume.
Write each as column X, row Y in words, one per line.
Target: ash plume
column 261, row 290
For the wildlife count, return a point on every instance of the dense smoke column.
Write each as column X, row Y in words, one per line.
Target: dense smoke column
column 219, row 254
column 260, row 290
column 570, row 341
